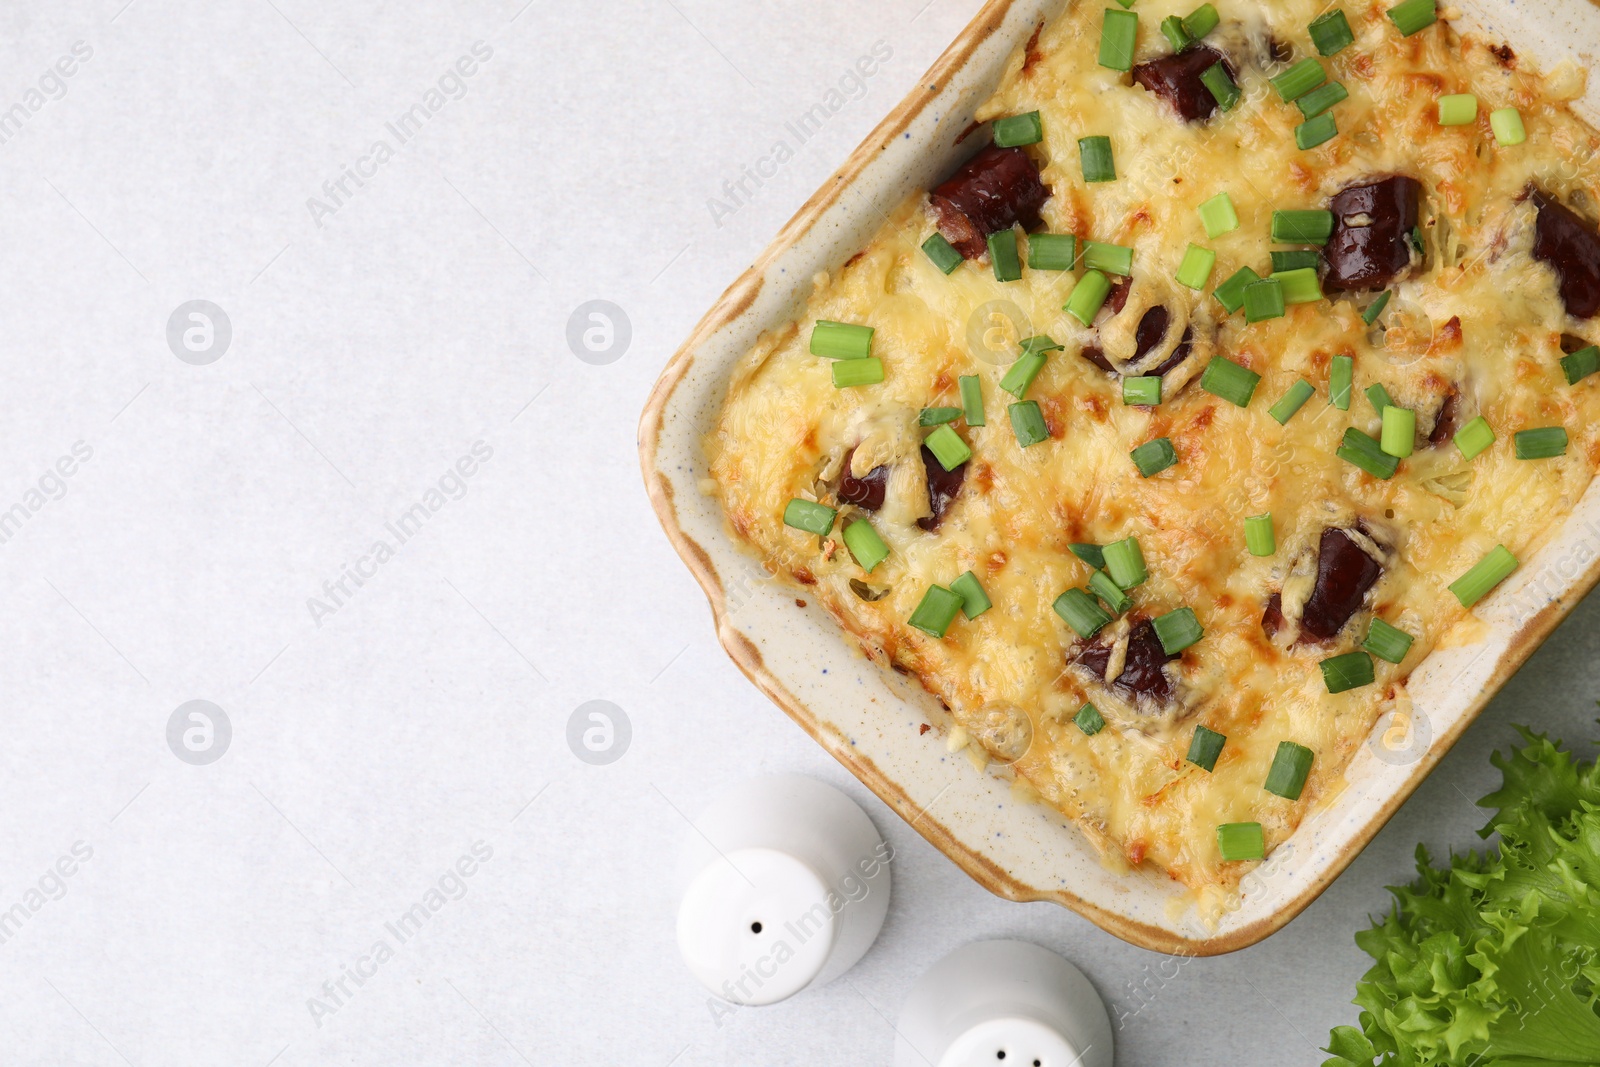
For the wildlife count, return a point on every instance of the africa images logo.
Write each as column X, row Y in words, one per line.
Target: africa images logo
column 452, row 485
column 452, row 884
column 52, row 86
column 852, row 85
column 451, row 85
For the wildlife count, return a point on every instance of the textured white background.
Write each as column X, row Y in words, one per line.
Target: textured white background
column 369, row 353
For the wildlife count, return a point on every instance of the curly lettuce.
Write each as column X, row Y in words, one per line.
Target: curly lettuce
column 1494, row 960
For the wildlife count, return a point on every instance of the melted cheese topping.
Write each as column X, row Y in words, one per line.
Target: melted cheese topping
column 1480, row 314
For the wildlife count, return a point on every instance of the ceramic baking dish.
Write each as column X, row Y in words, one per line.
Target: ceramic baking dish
column 870, row 719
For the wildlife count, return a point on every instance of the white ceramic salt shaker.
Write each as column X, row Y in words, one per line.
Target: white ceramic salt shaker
column 785, row 886
column 1003, row 1004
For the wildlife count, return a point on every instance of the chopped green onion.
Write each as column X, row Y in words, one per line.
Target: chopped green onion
column 1118, row 33
column 1027, row 422
column 1349, row 671
column 936, row 611
column 809, row 516
column 1458, row 109
column 1305, row 226
column 1201, row 21
column 1263, row 300
column 1474, row 437
column 1300, row 286
column 1153, row 457
column 1409, row 16
column 1290, row 766
column 865, row 544
column 1040, row 343
column 1081, row 612
column 1003, row 256
column 1228, row 380
column 1126, row 3
column 1089, row 720
column 1177, row 630
column 1241, row 841
column 1195, row 270
column 1331, row 33
column 1299, row 79
column 1218, row 216
column 1204, row 748
column 1230, row 294
column 1176, row 35
column 972, row 399
column 1313, row 132
column 1582, row 363
column 852, row 372
column 1088, row 296
column 948, row 448
column 1487, row 573
column 1258, row 535
column 1291, row 402
column 1124, row 563
column 1093, row 555
column 1109, row 258
column 1101, row 585
column 1142, row 389
column 1321, row 99
column 1387, row 642
column 1220, row 84
column 942, row 253
column 1368, row 454
column 1341, row 373
column 841, row 340
column 938, row 416
column 1378, row 397
column 1415, row 237
column 1546, row 442
column 1018, row 130
column 1399, row 431
column 1022, row 373
column 1375, row 309
column 1506, row 122
column 1052, row 251
column 974, row 601
column 1364, row 452
column 1294, row 259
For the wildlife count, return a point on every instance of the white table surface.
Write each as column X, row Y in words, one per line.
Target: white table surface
column 424, row 713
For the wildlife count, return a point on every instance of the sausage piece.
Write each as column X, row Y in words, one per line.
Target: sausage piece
column 1371, row 241
column 1151, row 331
column 1444, row 423
column 1141, row 672
column 993, row 191
column 1117, row 299
column 1572, row 248
column 1179, row 354
column 1093, row 354
column 1147, row 337
column 1272, row 615
column 1176, row 79
column 1344, row 574
column 867, row 491
column 943, row 488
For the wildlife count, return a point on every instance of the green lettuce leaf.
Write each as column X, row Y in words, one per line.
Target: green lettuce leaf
column 1494, row 959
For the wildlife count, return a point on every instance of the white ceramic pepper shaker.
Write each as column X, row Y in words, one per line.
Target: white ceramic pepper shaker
column 785, row 886
column 1003, row 1004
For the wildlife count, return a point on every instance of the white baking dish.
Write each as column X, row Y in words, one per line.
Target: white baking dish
column 869, row 719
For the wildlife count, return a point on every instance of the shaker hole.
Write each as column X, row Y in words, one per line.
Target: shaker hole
column 755, row 928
